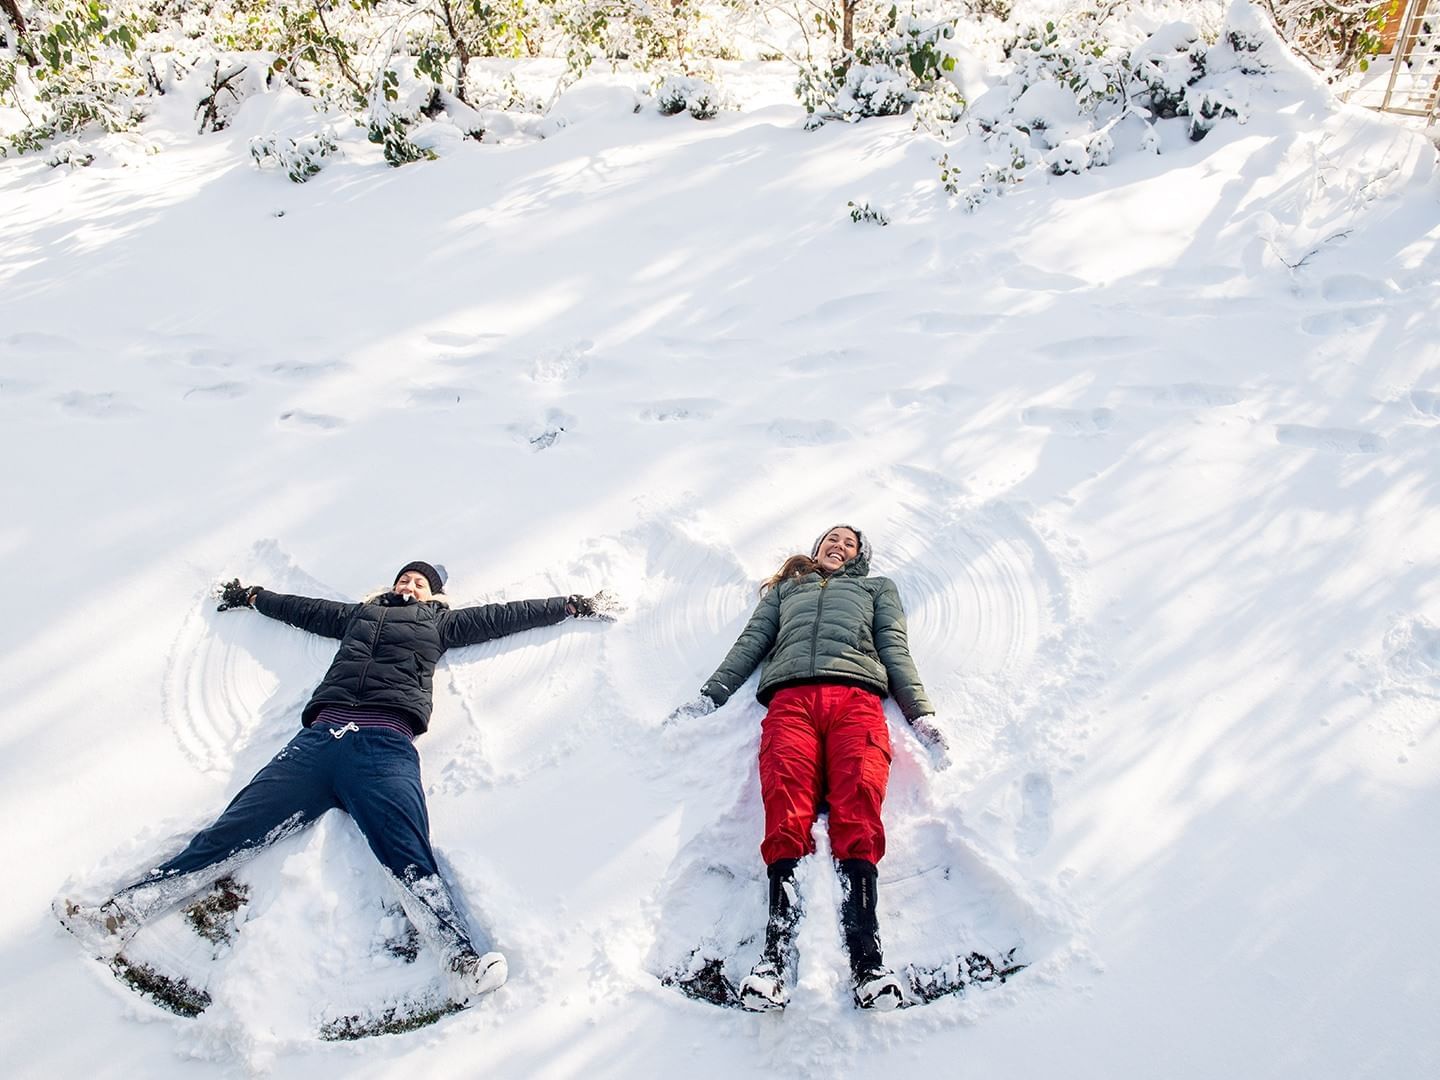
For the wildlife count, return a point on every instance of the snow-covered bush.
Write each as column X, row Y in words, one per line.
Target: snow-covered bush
column 69, row 153
column 81, row 70
column 1073, row 82
column 899, row 62
column 300, row 158
column 861, row 213
column 226, row 83
column 1334, row 36
column 688, row 93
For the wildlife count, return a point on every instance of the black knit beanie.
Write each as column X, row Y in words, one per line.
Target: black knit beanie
column 433, row 574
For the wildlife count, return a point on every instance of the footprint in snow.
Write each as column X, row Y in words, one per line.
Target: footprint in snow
column 216, row 391
column 96, row 406
column 562, row 364
column 1355, row 289
column 1187, row 396
column 1069, row 421
column 443, row 397
column 37, row 342
column 1032, row 831
column 827, row 363
column 664, row 412
column 1411, row 655
column 1338, row 322
column 787, row 432
column 1331, row 440
column 1032, row 278
column 298, row 418
column 946, row 322
column 300, row 369
column 543, row 434
column 939, row 396
column 1096, row 346
column 843, row 307
column 453, row 339
column 210, row 358
column 13, row 387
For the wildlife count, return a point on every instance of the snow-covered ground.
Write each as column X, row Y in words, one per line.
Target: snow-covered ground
column 1150, row 451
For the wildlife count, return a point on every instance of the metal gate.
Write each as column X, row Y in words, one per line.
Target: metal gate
column 1412, row 86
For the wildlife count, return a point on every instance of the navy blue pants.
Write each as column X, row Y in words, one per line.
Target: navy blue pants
column 372, row 774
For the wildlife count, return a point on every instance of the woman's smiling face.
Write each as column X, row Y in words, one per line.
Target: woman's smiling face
column 839, row 547
column 415, row 585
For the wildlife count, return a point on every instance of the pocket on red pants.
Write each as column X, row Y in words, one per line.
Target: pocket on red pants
column 875, row 767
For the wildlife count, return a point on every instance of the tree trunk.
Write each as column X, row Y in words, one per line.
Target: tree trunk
column 11, row 8
column 847, row 34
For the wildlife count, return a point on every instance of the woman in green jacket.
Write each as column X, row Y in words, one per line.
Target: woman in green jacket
column 833, row 644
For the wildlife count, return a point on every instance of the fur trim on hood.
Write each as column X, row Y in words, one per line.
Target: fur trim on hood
column 371, row 597
column 864, row 543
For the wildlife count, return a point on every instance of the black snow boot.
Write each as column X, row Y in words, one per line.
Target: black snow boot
column 767, row 987
column 876, row 986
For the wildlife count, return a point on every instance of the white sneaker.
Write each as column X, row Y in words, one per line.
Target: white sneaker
column 763, row 990
column 102, row 928
column 879, row 989
column 472, row 975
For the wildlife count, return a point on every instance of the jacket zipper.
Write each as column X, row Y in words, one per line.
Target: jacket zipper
column 374, row 641
column 815, row 630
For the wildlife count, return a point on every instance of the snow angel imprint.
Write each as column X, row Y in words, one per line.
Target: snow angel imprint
column 354, row 753
column 833, row 644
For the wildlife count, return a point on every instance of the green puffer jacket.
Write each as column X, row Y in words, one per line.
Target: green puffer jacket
column 848, row 627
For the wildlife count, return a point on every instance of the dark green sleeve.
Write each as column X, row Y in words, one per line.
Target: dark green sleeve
column 328, row 618
column 472, row 625
column 893, row 646
column 753, row 645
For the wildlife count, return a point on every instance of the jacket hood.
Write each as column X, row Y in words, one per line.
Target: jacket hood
column 859, row 566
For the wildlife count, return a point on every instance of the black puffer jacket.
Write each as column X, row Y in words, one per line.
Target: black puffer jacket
column 389, row 646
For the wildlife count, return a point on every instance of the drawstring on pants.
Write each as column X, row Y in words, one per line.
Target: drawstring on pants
column 339, row 733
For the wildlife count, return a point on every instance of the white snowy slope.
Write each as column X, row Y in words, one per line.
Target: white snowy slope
column 1151, row 452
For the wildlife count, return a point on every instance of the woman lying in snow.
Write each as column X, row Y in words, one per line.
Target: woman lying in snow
column 833, row 643
column 353, row 753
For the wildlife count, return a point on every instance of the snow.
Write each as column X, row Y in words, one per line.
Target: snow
column 1148, row 451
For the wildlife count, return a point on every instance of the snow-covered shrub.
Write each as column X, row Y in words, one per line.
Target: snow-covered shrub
column 1013, row 158
column 898, row 64
column 69, row 153
column 1072, row 82
column 863, row 212
column 391, row 116
column 642, row 32
column 1334, row 36
column 300, row 158
column 459, row 30
column 687, row 93
column 82, row 73
column 226, row 82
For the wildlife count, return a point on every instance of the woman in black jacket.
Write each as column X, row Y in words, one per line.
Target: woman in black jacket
column 353, row 753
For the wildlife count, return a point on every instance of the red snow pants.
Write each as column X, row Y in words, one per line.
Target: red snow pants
column 824, row 741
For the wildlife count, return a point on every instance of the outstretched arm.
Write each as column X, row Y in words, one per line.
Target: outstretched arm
column 328, row 618
column 472, row 625
column 752, row 646
column 893, row 646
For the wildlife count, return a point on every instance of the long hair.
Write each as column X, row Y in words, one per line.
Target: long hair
column 795, row 566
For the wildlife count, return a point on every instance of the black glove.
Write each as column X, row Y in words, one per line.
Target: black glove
column 603, row 605
column 232, row 595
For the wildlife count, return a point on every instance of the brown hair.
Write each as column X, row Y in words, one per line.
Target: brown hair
column 795, row 566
